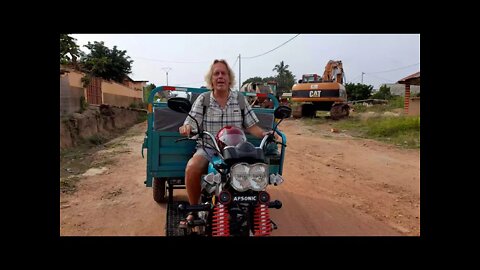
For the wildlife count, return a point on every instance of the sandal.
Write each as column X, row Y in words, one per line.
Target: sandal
column 188, row 220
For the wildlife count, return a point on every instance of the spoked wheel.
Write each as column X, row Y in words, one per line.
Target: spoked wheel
column 159, row 190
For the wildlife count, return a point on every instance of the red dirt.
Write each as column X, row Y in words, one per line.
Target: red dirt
column 335, row 185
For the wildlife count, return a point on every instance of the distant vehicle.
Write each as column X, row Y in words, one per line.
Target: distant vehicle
column 179, row 94
column 263, row 89
column 322, row 93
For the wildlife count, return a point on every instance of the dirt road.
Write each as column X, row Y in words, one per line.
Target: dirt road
column 335, row 185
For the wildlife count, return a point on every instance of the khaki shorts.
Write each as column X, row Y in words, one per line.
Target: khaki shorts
column 207, row 155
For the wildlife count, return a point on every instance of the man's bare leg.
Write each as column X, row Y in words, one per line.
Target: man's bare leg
column 196, row 166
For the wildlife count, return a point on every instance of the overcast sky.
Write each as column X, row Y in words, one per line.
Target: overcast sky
column 384, row 58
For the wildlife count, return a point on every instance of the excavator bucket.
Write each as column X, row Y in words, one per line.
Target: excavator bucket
column 339, row 110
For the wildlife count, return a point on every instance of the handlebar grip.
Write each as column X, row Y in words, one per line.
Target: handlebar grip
column 192, row 134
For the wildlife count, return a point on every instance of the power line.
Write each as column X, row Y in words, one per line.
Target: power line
column 355, row 78
column 387, row 80
column 394, row 69
column 271, row 49
column 235, row 62
column 166, row 61
column 198, row 62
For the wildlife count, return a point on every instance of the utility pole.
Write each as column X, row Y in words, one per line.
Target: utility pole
column 239, row 71
column 167, row 69
column 362, row 76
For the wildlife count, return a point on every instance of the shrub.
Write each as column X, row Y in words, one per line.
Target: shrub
column 383, row 93
column 83, row 104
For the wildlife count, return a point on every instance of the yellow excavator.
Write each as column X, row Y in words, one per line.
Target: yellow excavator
column 321, row 93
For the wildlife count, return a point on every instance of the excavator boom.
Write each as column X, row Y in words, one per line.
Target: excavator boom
column 322, row 93
column 333, row 72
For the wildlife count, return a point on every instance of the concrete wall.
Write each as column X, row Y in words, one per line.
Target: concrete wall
column 114, row 88
column 414, row 106
column 122, row 101
column 75, row 78
column 69, row 96
column 135, row 85
column 71, row 89
column 399, row 89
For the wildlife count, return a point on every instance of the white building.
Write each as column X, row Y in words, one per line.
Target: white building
column 397, row 89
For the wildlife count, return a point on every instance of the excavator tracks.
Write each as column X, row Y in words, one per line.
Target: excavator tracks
column 339, row 110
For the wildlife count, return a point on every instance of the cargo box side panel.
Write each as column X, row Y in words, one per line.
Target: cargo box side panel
column 172, row 156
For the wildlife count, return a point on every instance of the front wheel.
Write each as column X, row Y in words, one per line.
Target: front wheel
column 159, row 190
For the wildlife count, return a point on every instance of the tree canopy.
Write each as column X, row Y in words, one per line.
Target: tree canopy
column 253, row 79
column 259, row 79
column 147, row 90
column 383, row 93
column 69, row 50
column 109, row 64
column 285, row 78
column 358, row 91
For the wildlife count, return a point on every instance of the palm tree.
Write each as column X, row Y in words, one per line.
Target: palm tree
column 280, row 69
column 285, row 78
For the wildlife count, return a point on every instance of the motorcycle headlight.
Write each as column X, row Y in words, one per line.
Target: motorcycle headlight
column 239, row 173
column 258, row 176
column 245, row 176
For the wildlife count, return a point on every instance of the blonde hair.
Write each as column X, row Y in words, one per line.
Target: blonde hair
column 208, row 76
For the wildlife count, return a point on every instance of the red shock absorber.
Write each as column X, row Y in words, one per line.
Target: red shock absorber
column 220, row 223
column 261, row 220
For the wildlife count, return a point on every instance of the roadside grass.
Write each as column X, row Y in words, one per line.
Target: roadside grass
column 320, row 119
column 382, row 122
column 74, row 162
column 142, row 118
column 403, row 131
column 69, row 185
column 395, row 103
column 77, row 160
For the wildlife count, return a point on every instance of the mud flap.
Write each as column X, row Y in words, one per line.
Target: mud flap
column 144, row 145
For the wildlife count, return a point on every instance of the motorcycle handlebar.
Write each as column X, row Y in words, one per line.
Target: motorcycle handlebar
column 193, row 137
column 270, row 138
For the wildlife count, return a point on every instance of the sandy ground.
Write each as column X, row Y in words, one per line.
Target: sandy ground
column 335, row 185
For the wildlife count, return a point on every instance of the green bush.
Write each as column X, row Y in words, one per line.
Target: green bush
column 142, row 117
column 358, row 91
column 83, row 104
column 86, row 80
column 383, row 93
column 396, row 102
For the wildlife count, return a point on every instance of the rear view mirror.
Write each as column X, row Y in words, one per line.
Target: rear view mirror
column 179, row 104
column 282, row 112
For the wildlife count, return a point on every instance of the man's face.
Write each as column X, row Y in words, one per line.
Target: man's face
column 220, row 77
